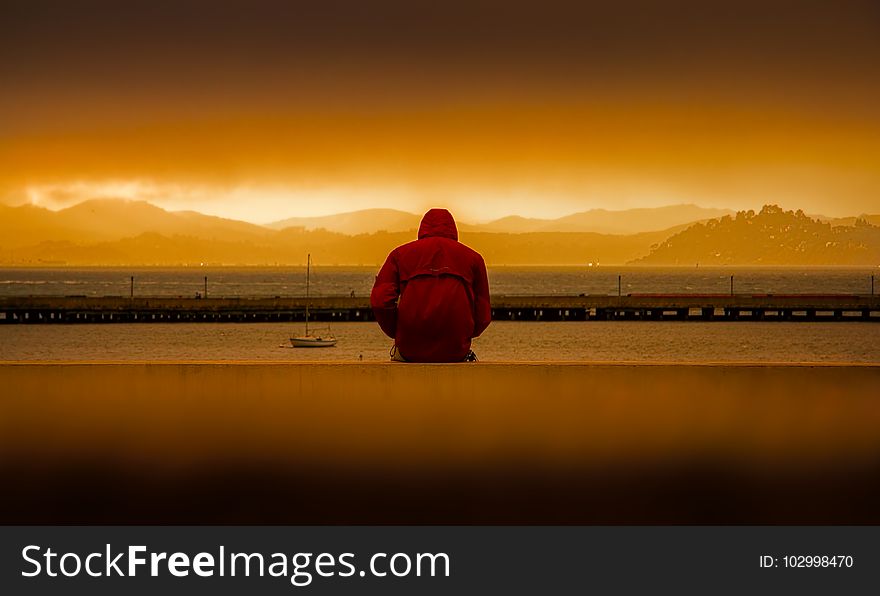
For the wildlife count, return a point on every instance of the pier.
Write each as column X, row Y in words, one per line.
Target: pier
column 631, row 307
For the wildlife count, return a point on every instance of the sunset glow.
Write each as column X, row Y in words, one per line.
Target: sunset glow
column 319, row 111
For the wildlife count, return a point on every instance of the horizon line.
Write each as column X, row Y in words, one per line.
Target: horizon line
column 264, row 224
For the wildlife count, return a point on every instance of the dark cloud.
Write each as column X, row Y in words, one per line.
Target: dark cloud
column 118, row 39
column 463, row 90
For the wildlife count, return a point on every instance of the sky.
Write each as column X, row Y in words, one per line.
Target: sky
column 266, row 110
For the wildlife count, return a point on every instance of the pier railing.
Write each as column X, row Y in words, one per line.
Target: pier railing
column 632, row 307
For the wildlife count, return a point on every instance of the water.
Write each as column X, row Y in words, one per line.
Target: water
column 338, row 281
column 593, row 341
column 504, row 341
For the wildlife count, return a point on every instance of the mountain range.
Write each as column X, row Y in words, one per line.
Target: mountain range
column 118, row 232
column 600, row 221
column 102, row 220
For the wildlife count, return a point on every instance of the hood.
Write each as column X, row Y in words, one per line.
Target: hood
column 438, row 222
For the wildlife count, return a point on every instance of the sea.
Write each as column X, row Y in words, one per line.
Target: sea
column 588, row 341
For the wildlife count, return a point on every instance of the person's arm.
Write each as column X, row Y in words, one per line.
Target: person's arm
column 482, row 307
column 383, row 298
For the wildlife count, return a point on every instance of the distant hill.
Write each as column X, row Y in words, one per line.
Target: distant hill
column 874, row 220
column 365, row 221
column 602, row 221
column 117, row 232
column 290, row 246
column 100, row 220
column 771, row 237
column 109, row 231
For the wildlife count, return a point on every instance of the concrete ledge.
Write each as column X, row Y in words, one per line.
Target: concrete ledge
column 484, row 443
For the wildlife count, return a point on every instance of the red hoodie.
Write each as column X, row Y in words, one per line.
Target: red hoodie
column 432, row 295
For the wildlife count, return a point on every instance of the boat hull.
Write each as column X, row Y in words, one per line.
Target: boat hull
column 312, row 342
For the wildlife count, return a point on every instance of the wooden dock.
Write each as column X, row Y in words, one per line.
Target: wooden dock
column 632, row 307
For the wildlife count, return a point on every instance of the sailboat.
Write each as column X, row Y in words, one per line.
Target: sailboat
column 312, row 340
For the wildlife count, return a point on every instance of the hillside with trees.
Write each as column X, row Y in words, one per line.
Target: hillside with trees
column 772, row 236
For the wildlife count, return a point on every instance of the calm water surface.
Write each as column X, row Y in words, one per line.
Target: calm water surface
column 337, row 281
column 583, row 341
column 503, row 341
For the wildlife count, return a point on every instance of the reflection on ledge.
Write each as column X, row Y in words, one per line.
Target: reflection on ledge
column 469, row 443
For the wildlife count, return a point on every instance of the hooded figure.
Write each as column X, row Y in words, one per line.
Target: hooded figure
column 432, row 295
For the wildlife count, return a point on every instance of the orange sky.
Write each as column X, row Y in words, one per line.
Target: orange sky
column 267, row 110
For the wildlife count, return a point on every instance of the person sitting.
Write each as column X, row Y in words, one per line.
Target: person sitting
column 432, row 294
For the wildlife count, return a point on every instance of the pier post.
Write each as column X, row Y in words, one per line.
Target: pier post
column 131, row 291
column 206, row 287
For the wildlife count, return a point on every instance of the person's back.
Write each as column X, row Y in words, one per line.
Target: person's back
column 443, row 294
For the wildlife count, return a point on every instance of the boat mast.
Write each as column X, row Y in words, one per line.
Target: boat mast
column 308, row 267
